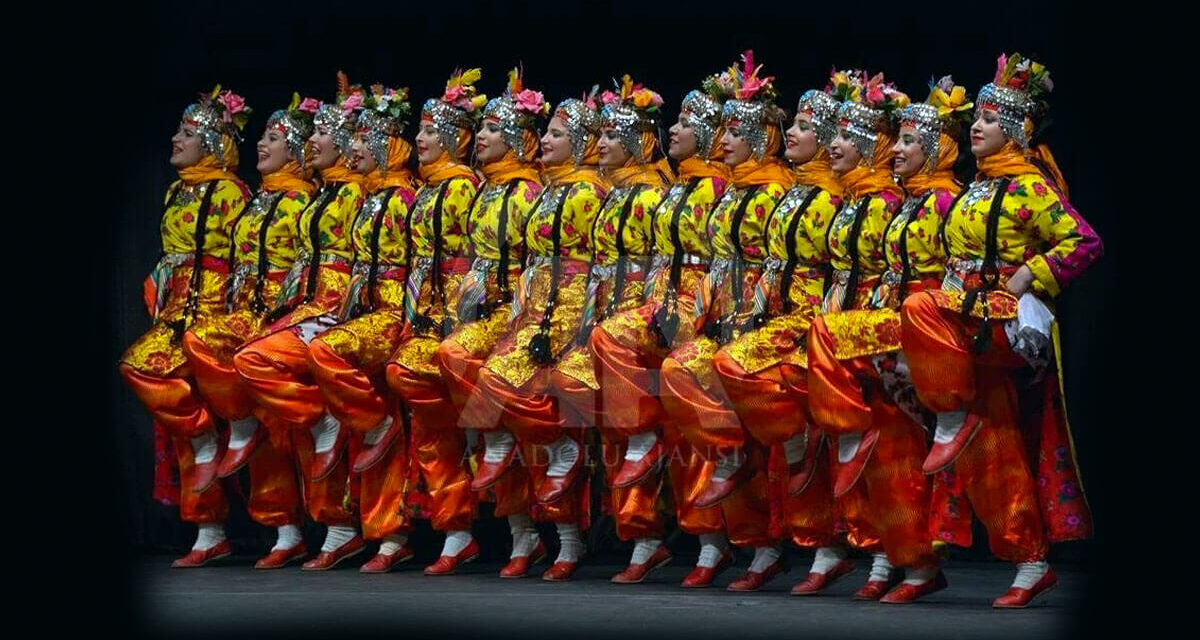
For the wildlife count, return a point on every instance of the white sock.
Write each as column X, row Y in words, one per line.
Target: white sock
column 848, row 446
column 377, row 432
column 392, row 543
column 456, row 541
column 919, row 576
column 563, row 455
column 524, row 535
column 727, row 465
column 1028, row 573
column 289, row 536
column 948, row 424
column 213, row 533
column 497, row 444
column 793, row 447
column 764, row 557
column 204, row 447
column 325, row 432
column 639, row 445
column 827, row 558
column 712, row 546
column 337, row 536
column 881, row 569
column 241, row 431
column 570, row 543
column 644, row 548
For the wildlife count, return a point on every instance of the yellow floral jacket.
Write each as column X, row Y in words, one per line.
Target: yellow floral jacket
column 580, row 202
column 445, row 227
column 1037, row 227
column 324, row 232
column 379, row 230
column 796, row 233
column 158, row 351
column 876, row 211
column 482, row 316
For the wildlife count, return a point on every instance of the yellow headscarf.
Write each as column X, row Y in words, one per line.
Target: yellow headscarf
column 1011, row 160
column 444, row 168
column 210, row 168
column 398, row 175
column 289, row 177
column 875, row 177
column 509, row 168
column 771, row 169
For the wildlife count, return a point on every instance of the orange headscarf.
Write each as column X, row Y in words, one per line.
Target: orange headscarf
column 398, row 175
column 818, row 173
column 340, row 171
column 209, row 168
column 770, row 169
column 444, row 168
column 1011, row 160
column 509, row 168
column 568, row 172
column 693, row 167
column 876, row 177
column 289, row 177
column 942, row 177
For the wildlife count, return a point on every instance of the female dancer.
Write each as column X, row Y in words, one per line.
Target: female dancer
column 262, row 251
column 758, row 367
column 347, row 360
column 692, row 395
column 506, row 144
column 857, row 374
column 437, row 266
column 187, row 285
column 1013, row 240
column 275, row 367
column 622, row 240
column 514, row 381
column 629, row 348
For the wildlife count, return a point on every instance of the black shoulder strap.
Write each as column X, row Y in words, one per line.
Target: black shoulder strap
column 260, row 272
column 785, row 280
column 736, row 238
column 904, row 275
column 191, row 307
column 622, row 257
column 435, row 271
column 502, row 231
column 946, row 218
column 539, row 345
column 314, row 240
column 864, row 209
column 376, row 227
column 989, row 275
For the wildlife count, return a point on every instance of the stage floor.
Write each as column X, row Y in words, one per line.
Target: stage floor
column 233, row 597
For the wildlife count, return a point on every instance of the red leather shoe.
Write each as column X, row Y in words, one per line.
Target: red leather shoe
column 701, row 577
column 874, row 589
column 718, row 490
column 849, row 472
column 560, row 571
column 943, row 455
column 235, row 459
column 518, row 566
column 196, row 558
column 754, row 580
column 801, row 473
column 371, row 455
column 551, row 489
column 904, row 593
column 817, row 582
column 1018, row 598
column 489, row 473
column 383, row 563
column 323, row 464
column 327, row 560
column 635, row 573
column 279, row 558
column 634, row 471
column 447, row 565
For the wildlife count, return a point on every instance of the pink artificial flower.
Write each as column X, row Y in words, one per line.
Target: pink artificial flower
column 353, row 102
column 750, row 88
column 529, row 100
column 875, row 95
column 233, row 102
column 309, row 105
column 453, row 94
column 1001, row 63
column 609, row 97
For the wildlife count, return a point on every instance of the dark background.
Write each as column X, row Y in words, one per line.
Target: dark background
column 153, row 60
